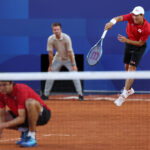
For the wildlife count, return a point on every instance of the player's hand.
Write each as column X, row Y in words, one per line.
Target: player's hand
column 122, row 38
column 74, row 68
column 50, row 68
column 108, row 25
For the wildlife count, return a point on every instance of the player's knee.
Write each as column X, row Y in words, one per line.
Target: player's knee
column 30, row 103
column 132, row 68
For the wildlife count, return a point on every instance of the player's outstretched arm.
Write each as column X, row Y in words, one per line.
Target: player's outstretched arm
column 113, row 22
column 17, row 121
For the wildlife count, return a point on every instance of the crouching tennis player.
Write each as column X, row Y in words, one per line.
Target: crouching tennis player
column 138, row 31
column 27, row 110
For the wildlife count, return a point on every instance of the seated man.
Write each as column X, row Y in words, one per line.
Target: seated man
column 27, row 110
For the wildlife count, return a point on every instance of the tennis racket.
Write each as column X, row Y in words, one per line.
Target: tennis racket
column 96, row 51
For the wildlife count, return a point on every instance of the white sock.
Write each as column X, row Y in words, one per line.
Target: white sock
column 124, row 92
column 31, row 134
column 22, row 129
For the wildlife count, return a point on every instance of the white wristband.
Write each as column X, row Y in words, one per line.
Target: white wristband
column 113, row 21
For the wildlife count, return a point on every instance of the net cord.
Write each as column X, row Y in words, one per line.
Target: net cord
column 94, row 75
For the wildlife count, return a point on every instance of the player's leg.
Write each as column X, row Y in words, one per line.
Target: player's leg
column 127, row 89
column 49, row 83
column 129, row 82
column 127, row 57
column 134, row 62
column 33, row 109
column 136, row 55
column 126, row 69
column 77, row 83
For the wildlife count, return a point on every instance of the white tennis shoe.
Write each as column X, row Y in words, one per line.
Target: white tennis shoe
column 119, row 101
column 126, row 93
column 123, row 96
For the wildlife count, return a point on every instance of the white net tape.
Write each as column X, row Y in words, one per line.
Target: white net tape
column 100, row 75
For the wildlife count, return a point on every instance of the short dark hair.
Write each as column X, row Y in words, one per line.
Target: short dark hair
column 56, row 24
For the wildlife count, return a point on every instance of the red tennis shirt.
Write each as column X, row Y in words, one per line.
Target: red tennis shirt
column 19, row 95
column 136, row 32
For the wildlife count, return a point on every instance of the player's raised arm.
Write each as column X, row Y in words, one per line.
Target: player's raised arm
column 113, row 22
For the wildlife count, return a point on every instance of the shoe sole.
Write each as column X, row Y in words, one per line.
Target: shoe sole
column 116, row 104
column 34, row 145
column 19, row 142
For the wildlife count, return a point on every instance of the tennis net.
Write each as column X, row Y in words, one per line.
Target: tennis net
column 96, row 122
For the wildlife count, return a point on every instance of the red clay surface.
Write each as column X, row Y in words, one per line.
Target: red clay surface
column 91, row 125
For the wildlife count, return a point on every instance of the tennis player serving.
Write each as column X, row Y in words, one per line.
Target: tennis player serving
column 138, row 31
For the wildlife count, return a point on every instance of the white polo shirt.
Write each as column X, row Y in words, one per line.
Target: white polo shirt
column 62, row 46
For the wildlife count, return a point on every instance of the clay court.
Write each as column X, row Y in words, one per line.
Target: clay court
column 91, row 125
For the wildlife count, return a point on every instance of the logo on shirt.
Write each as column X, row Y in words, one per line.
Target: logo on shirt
column 133, row 62
column 139, row 30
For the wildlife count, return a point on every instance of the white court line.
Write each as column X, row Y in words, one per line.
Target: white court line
column 9, row 140
column 103, row 98
column 58, row 135
column 38, row 137
column 112, row 99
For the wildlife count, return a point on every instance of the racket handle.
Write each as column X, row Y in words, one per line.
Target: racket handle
column 104, row 34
